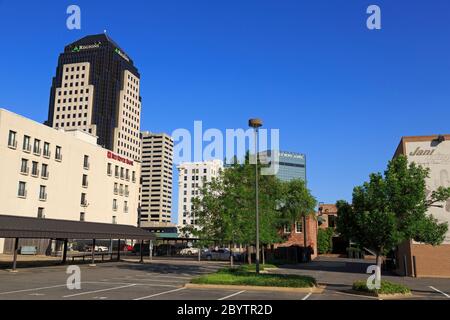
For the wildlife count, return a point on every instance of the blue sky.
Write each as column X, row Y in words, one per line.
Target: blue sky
column 339, row 93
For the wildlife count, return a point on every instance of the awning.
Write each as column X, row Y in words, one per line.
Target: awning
column 35, row 228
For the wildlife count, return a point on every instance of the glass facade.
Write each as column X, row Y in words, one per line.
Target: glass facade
column 291, row 165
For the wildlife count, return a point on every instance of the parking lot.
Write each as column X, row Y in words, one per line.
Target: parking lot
column 165, row 279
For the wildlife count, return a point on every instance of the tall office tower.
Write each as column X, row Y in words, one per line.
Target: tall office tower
column 96, row 89
column 156, row 179
column 291, row 165
column 191, row 176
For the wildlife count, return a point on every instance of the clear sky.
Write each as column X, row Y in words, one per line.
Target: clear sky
column 338, row 92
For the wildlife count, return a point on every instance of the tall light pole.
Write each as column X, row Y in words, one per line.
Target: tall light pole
column 256, row 124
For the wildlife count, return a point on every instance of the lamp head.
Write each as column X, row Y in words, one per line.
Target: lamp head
column 255, row 123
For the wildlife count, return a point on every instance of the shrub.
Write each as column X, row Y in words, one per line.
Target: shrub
column 386, row 288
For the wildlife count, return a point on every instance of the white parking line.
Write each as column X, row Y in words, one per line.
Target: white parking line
column 437, row 290
column 232, row 295
column 307, row 296
column 34, row 289
column 101, row 290
column 158, row 294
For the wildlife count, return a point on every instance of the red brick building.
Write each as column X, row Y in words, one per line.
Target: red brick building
column 295, row 235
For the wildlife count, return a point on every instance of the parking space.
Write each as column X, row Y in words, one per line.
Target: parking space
column 165, row 280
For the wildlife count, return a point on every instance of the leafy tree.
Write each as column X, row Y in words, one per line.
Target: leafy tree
column 392, row 208
column 297, row 203
column 325, row 240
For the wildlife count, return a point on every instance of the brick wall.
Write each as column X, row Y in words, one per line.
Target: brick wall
column 297, row 238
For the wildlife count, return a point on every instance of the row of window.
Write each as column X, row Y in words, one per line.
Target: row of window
column 69, row 100
column 121, row 172
column 22, row 191
column 298, row 227
column 25, row 170
column 78, row 68
column 36, row 147
column 70, row 92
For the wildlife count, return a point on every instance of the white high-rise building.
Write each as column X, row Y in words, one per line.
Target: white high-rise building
column 191, row 176
column 156, row 178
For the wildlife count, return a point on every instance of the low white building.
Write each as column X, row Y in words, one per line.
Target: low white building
column 57, row 174
column 191, row 177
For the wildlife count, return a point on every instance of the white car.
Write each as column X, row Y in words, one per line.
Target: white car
column 189, row 251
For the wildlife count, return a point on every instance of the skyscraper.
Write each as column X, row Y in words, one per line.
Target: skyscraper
column 96, row 89
column 156, row 178
column 291, row 165
column 191, row 176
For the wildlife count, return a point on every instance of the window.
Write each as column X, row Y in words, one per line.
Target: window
column 116, row 188
column 109, row 169
column 114, row 220
column 40, row 213
column 116, row 171
column 34, row 169
column 122, row 173
column 133, row 176
column 298, row 227
column 44, row 171
column 83, row 200
column 125, row 206
column 46, row 149
column 58, row 155
column 115, row 204
column 26, row 144
column 22, row 192
column 37, row 146
column 12, row 143
column 287, row 228
column 86, row 162
column 85, row 181
column 42, row 193
column 332, row 221
column 82, row 214
column 24, row 166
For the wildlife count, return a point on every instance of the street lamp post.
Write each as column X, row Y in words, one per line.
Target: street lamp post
column 256, row 124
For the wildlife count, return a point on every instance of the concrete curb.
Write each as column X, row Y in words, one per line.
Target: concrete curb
column 319, row 289
column 381, row 296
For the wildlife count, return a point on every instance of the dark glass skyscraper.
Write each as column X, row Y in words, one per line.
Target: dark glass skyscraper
column 291, row 165
column 96, row 89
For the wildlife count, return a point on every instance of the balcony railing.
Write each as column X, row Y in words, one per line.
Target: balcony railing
column 24, row 170
column 47, row 154
column 84, row 203
column 22, row 194
column 37, row 151
column 12, row 144
column 43, row 197
column 58, row 157
column 86, row 165
column 45, row 175
column 27, row 148
column 35, row 173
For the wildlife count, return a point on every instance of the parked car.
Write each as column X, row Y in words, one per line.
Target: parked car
column 126, row 247
column 218, row 254
column 97, row 249
column 189, row 251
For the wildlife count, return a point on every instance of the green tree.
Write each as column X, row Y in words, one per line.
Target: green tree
column 390, row 209
column 325, row 240
column 297, row 203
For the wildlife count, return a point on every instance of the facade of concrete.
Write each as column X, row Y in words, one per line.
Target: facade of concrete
column 431, row 152
column 63, row 174
column 156, row 178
